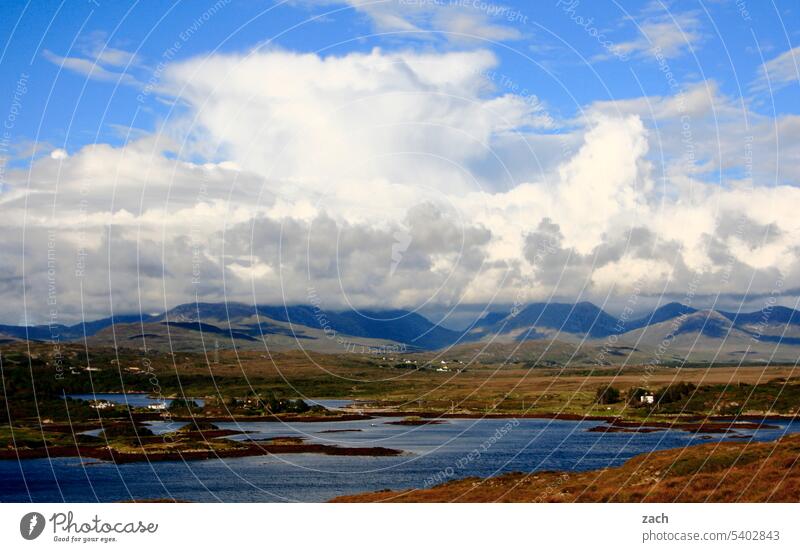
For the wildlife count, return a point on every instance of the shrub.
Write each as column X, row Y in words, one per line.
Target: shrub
column 677, row 392
column 182, row 404
column 607, row 395
column 126, row 429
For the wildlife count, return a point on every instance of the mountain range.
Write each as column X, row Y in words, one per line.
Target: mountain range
column 691, row 334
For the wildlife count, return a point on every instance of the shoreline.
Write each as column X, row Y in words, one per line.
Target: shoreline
column 276, row 445
column 692, row 423
column 719, row 472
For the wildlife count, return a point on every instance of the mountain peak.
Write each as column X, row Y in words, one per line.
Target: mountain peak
column 579, row 318
column 662, row 314
column 709, row 323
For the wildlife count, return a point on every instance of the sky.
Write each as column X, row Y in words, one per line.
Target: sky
column 442, row 156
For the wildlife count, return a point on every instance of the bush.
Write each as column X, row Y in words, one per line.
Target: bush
column 126, row 429
column 196, row 425
column 281, row 406
column 677, row 392
column 607, row 395
column 183, row 405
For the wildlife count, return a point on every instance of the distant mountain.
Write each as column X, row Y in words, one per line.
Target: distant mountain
column 706, row 323
column 661, row 314
column 489, row 319
column 702, row 336
column 399, row 326
column 63, row 332
column 775, row 315
column 32, row 332
column 198, row 326
column 396, row 325
column 581, row 318
column 194, row 312
column 691, row 334
column 91, row 328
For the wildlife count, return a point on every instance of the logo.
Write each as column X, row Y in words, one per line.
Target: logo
column 31, row 525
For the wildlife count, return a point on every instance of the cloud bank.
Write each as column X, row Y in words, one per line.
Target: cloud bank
column 400, row 179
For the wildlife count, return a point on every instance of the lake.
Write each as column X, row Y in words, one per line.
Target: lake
column 526, row 445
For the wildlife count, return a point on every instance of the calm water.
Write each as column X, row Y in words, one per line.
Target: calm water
column 528, row 446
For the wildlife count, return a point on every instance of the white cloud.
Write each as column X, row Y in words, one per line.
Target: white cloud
column 98, row 60
column 320, row 163
column 460, row 22
column 779, row 71
column 402, row 121
column 115, row 57
column 91, row 69
column 672, row 34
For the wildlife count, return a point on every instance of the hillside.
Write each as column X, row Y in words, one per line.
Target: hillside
column 708, row 336
column 562, row 332
column 715, row 472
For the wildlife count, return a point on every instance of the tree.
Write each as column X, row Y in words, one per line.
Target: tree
column 607, row 395
column 677, row 392
column 301, row 406
column 181, row 404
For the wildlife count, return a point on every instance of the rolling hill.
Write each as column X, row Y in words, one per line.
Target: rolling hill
column 671, row 333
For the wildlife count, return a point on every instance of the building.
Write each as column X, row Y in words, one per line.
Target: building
column 647, row 398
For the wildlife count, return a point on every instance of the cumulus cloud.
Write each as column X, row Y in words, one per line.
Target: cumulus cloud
column 701, row 131
column 364, row 178
column 391, row 119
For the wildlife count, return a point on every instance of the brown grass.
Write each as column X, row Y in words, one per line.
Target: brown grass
column 720, row 472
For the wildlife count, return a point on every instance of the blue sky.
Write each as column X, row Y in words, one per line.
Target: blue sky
column 408, row 153
column 550, row 51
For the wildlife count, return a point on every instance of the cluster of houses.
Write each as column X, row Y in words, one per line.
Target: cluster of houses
column 74, row 370
column 405, row 361
column 78, row 369
column 445, row 367
column 647, row 398
column 105, row 405
column 442, row 366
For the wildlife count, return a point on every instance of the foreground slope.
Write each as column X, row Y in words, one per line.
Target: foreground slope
column 718, row 472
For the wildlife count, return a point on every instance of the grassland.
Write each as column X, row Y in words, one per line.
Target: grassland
column 38, row 421
column 382, row 384
column 720, row 472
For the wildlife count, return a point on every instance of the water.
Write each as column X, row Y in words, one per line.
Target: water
column 136, row 400
column 530, row 445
